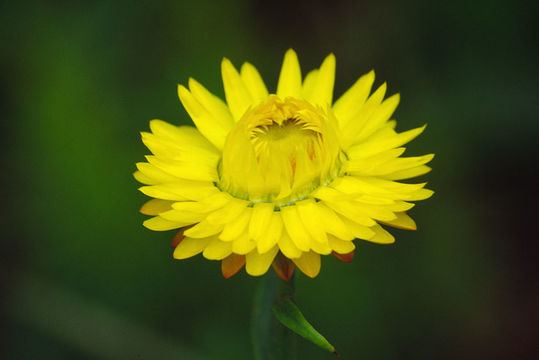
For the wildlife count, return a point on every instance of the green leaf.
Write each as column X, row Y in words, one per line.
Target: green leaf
column 290, row 316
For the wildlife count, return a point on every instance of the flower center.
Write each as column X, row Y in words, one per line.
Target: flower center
column 279, row 151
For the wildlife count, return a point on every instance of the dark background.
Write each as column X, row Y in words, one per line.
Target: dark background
column 82, row 279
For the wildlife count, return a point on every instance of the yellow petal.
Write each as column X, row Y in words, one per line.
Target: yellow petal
column 271, row 235
column 322, row 93
column 164, row 129
column 214, row 105
column 421, row 194
column 205, row 205
column 152, row 174
column 183, row 217
column 320, row 248
column 333, row 223
column 309, row 84
column 190, row 247
column 237, row 95
column 156, row 206
column 217, row 249
column 290, row 78
column 157, row 223
column 308, row 263
column 408, row 173
column 260, row 220
column 181, row 149
column 351, row 211
column 369, row 165
column 365, row 167
column 228, row 212
column 180, row 190
column 381, row 236
column 146, row 180
column 341, row 246
column 346, row 106
column 375, row 186
column 185, row 169
column 287, row 246
column 235, row 228
column 379, row 158
column 403, row 221
column 361, row 118
column 310, row 216
column 295, row 228
column 374, row 211
column 242, row 244
column 357, row 230
column 380, row 116
column 401, row 206
column 403, row 163
column 375, row 145
column 203, row 229
column 253, row 82
column 215, row 130
column 184, row 136
column 258, row 264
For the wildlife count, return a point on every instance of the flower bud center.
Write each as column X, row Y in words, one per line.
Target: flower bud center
column 279, row 152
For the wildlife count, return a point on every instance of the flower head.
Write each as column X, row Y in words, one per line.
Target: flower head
column 280, row 178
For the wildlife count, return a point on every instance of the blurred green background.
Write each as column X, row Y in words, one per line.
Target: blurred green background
column 82, row 279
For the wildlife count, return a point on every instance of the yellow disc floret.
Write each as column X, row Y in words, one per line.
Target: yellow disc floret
column 279, row 151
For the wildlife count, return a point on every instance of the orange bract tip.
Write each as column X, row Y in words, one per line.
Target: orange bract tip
column 179, row 237
column 284, row 267
column 344, row 257
column 231, row 265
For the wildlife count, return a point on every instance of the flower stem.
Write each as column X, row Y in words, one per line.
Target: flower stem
column 271, row 340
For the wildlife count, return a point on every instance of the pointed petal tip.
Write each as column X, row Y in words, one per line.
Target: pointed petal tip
column 226, row 64
column 153, row 123
column 183, row 92
column 371, row 75
column 192, row 82
column 290, row 52
column 331, row 58
column 309, row 263
column 430, row 193
column 246, row 66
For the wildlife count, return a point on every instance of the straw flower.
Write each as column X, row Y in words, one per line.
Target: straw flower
column 280, row 178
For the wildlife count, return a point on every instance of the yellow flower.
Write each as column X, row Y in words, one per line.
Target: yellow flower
column 280, row 178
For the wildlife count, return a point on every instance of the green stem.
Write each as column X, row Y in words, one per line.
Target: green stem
column 271, row 340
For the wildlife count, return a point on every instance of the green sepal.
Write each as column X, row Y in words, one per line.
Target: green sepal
column 290, row 316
